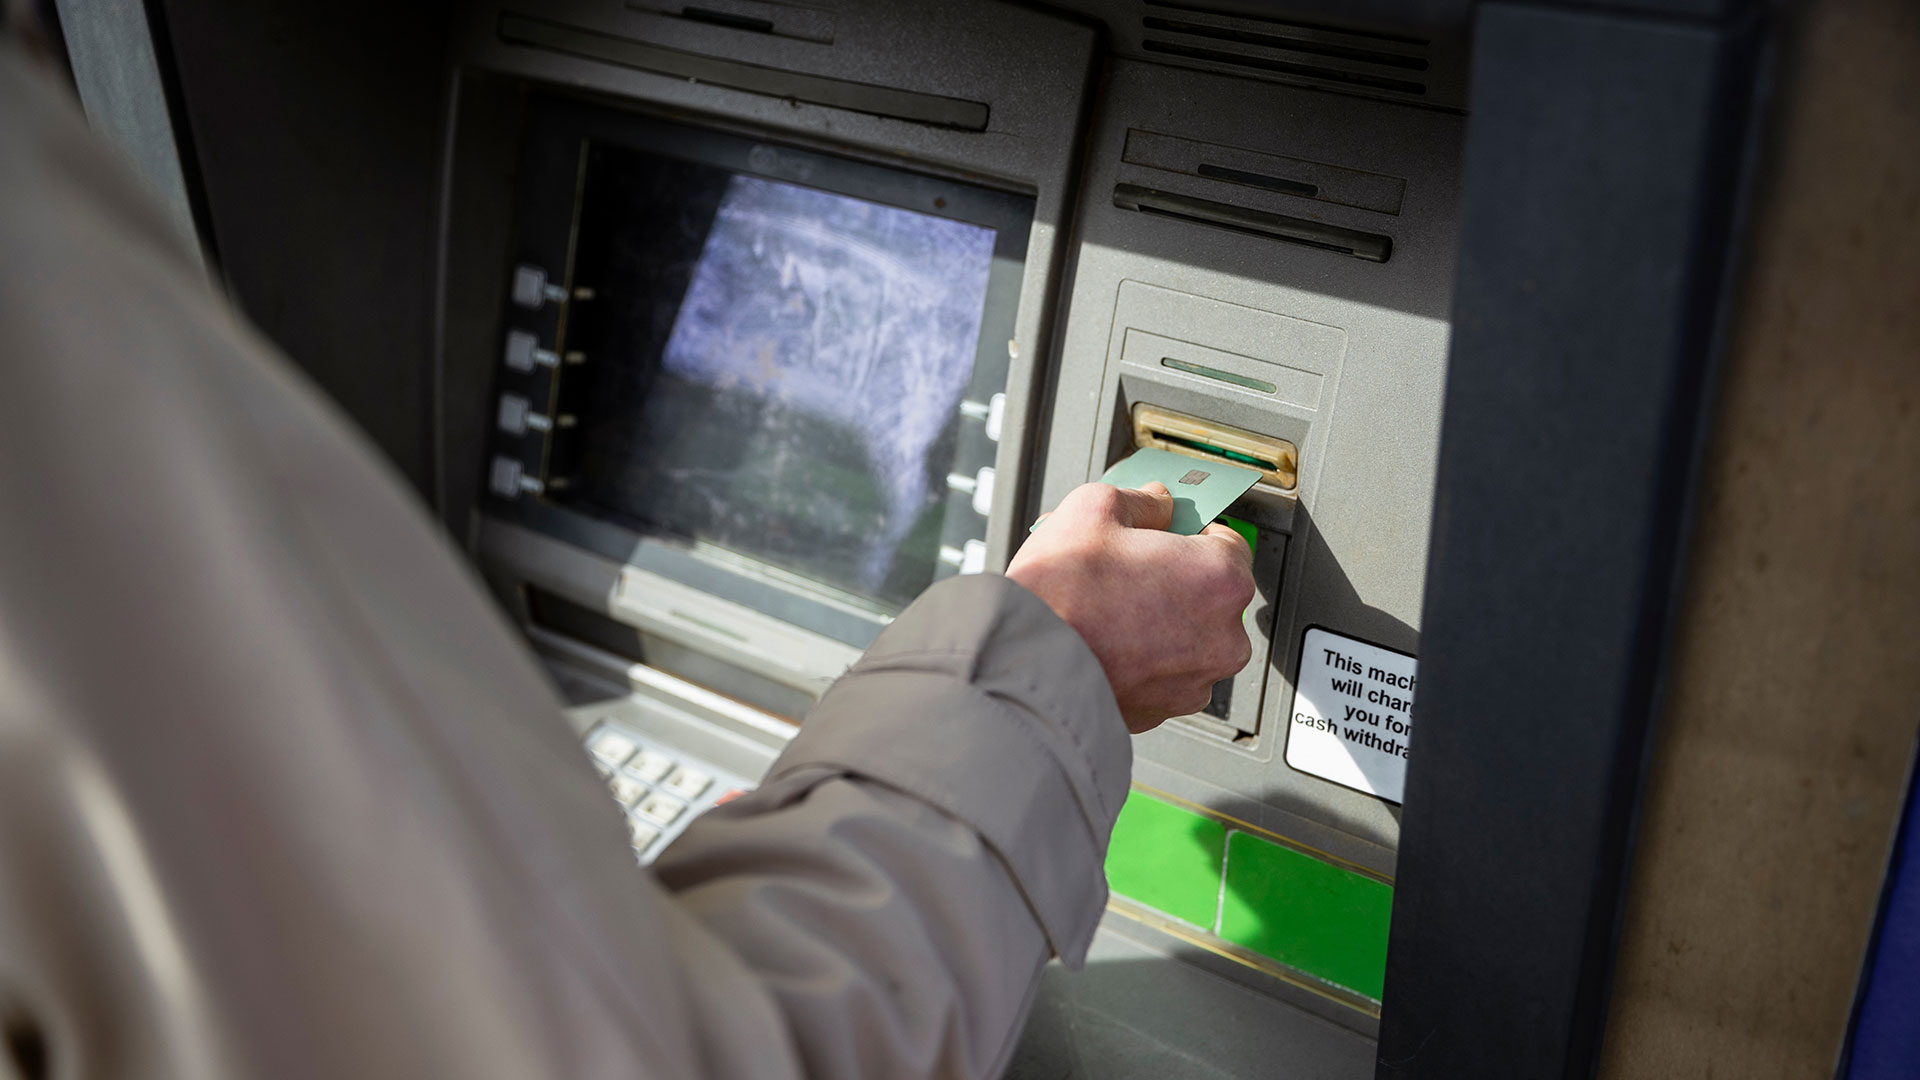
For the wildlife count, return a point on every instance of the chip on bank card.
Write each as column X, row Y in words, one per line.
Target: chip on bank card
column 1201, row 489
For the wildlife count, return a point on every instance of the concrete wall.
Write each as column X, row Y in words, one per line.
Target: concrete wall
column 1790, row 718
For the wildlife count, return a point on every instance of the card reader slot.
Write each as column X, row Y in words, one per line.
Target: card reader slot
column 1277, row 459
column 1373, row 247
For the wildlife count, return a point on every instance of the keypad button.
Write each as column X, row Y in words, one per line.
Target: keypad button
column 626, row 790
column 662, row 808
column 650, row 765
column 611, row 747
column 601, row 768
column 642, row 834
column 688, row 783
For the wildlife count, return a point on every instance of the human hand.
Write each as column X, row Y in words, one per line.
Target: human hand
column 1161, row 612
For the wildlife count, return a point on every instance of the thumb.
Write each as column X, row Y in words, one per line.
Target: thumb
column 1149, row 506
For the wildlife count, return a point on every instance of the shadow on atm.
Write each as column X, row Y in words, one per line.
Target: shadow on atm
column 1152, row 1017
column 1155, row 1007
column 1327, row 598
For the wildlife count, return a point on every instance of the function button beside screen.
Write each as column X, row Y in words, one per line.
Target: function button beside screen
column 516, row 416
column 992, row 413
column 688, row 783
column 662, row 809
column 505, row 476
column 530, row 287
column 979, row 486
column 611, row 747
column 523, row 352
column 512, row 416
column 642, row 834
column 973, row 557
column 650, row 765
column 983, row 492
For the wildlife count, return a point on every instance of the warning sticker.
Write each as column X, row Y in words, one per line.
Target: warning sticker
column 1352, row 714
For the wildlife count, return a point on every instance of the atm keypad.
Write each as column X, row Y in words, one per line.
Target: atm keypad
column 659, row 789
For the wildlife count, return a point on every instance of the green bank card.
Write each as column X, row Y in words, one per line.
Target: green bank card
column 1201, row 489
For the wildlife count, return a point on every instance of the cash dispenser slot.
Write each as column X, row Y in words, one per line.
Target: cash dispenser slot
column 1277, row 459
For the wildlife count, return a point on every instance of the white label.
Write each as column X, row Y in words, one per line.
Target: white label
column 1352, row 714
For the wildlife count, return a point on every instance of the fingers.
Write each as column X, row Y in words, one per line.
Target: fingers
column 1147, row 507
column 1196, row 700
column 1223, row 532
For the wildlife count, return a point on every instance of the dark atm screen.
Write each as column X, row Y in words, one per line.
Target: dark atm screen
column 773, row 369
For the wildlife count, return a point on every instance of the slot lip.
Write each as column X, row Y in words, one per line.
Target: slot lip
column 1281, row 184
column 1370, row 247
column 1203, row 371
column 1295, row 23
column 731, row 20
column 1176, row 432
column 1340, row 185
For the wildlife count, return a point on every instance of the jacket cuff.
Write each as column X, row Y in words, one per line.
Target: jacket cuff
column 980, row 701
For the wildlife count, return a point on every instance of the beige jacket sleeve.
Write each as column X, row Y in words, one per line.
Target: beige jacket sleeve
column 281, row 794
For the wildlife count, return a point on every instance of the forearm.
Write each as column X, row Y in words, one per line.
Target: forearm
column 934, row 833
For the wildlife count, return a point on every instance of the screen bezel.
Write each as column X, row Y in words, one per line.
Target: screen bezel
column 548, row 209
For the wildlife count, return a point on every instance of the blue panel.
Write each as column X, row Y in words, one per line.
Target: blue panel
column 1886, row 1038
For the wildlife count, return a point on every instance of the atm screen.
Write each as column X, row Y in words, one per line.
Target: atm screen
column 774, row 370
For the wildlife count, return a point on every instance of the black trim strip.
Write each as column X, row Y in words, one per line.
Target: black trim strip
column 1603, row 181
column 933, row 109
column 1373, row 247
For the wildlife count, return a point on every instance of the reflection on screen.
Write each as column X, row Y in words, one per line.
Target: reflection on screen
column 774, row 369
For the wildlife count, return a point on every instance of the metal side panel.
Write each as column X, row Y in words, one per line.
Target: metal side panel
column 1602, row 182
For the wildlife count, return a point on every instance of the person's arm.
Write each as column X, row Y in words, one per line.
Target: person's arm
column 938, row 827
column 283, row 794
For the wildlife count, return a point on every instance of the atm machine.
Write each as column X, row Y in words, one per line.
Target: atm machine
column 744, row 321
column 758, row 318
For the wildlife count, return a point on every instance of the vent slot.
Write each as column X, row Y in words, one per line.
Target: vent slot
column 728, row 19
column 1284, row 67
column 1293, row 23
column 1373, row 247
column 1392, row 64
column 1269, row 172
column 1275, row 41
